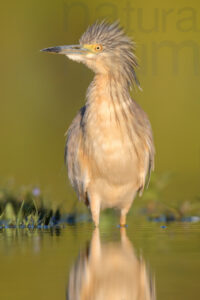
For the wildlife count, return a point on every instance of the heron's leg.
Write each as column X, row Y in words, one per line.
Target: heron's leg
column 95, row 208
column 123, row 217
column 124, row 212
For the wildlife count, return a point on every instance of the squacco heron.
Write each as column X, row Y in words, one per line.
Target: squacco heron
column 109, row 149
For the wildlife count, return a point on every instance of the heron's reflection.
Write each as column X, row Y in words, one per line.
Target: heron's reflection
column 110, row 271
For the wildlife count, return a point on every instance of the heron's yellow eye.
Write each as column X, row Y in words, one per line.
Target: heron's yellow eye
column 98, row 48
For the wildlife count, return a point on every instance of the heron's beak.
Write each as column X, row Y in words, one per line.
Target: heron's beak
column 72, row 49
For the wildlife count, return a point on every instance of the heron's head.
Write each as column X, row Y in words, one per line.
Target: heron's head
column 104, row 48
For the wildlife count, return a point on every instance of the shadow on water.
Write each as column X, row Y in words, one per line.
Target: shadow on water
column 110, row 270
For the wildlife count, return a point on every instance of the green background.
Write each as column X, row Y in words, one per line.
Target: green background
column 41, row 93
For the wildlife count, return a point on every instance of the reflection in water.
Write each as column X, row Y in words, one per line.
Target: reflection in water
column 110, row 271
column 23, row 240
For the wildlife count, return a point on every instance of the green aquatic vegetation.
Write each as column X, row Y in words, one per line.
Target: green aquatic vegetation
column 156, row 207
column 26, row 207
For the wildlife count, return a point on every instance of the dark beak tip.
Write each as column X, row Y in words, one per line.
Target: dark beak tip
column 52, row 50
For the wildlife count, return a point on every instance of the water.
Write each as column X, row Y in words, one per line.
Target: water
column 144, row 261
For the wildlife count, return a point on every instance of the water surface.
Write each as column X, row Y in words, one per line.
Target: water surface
column 143, row 261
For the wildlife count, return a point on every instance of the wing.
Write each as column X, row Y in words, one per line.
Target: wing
column 146, row 147
column 72, row 150
column 150, row 152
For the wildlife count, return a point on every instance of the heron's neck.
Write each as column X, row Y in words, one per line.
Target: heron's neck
column 109, row 102
column 110, row 88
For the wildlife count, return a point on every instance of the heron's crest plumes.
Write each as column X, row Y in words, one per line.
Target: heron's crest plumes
column 116, row 44
column 110, row 35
